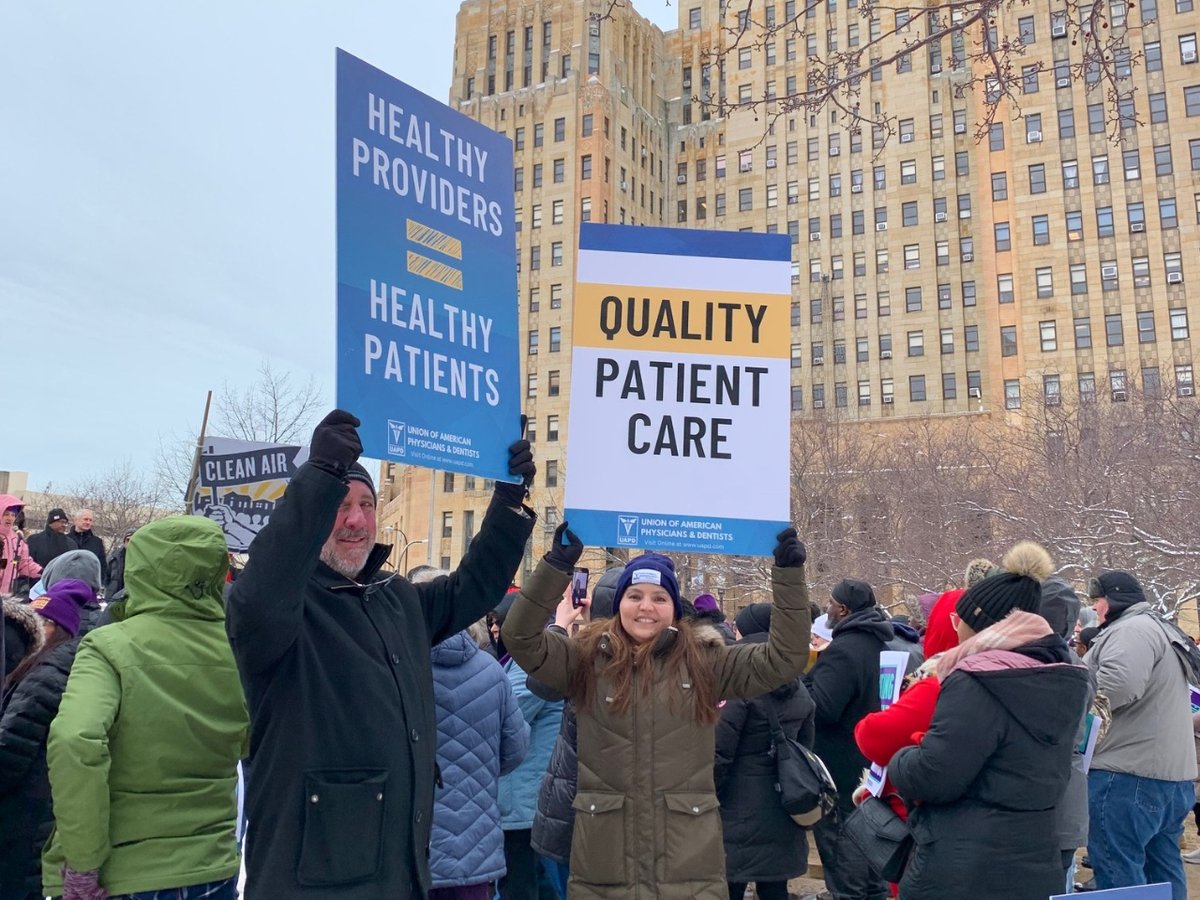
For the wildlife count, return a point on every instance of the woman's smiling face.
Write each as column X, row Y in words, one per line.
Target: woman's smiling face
column 645, row 611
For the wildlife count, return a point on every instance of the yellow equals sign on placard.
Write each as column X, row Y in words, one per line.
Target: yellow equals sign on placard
column 435, row 240
column 432, row 239
column 434, row 270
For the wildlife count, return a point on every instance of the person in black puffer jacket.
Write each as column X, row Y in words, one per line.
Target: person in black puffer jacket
column 762, row 843
column 32, row 693
column 22, row 634
column 554, row 822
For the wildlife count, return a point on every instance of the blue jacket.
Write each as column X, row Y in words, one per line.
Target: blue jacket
column 481, row 736
column 519, row 791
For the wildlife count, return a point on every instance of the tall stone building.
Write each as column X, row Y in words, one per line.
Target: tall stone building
column 933, row 274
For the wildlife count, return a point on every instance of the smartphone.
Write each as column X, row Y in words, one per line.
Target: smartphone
column 579, row 587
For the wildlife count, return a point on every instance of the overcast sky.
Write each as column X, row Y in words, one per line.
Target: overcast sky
column 167, row 207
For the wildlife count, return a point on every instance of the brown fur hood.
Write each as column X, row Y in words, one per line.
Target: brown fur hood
column 25, row 619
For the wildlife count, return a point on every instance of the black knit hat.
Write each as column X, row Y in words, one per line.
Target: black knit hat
column 1017, row 586
column 754, row 619
column 853, row 594
column 356, row 472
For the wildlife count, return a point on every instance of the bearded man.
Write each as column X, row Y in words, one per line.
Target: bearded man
column 334, row 658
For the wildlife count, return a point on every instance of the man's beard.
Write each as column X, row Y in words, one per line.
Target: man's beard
column 348, row 562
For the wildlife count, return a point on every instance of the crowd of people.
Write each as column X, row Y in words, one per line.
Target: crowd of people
column 452, row 736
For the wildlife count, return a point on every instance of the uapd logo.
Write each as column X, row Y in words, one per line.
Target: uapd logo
column 396, row 435
column 627, row 531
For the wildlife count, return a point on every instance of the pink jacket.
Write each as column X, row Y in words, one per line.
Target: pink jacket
column 14, row 552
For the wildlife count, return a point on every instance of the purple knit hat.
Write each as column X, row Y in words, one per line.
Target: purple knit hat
column 650, row 568
column 63, row 602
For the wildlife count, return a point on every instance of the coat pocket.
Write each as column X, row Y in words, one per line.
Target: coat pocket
column 598, row 844
column 695, row 851
column 342, row 836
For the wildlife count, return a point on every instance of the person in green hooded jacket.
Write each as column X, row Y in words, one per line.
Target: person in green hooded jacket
column 143, row 753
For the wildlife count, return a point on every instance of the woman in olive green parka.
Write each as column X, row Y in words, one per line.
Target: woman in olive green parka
column 647, row 688
column 143, row 753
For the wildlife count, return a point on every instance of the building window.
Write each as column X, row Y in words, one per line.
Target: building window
column 1012, row 394
column 1179, row 324
column 1083, row 333
column 1114, row 335
column 1118, row 384
column 1185, row 386
column 555, row 339
column 552, row 428
column 1004, row 288
column 1051, row 390
column 1045, row 282
column 447, row 524
column 1003, row 236
column 533, row 343
column 916, row 388
column 1041, row 230
column 1008, row 340
column 916, row 343
column 947, row 341
column 1049, row 336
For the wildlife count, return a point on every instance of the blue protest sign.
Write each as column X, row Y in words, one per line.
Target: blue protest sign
column 426, row 265
column 1141, row 892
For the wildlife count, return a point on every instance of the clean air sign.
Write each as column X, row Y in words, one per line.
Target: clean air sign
column 681, row 378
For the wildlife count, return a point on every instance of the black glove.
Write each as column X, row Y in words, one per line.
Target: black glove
column 335, row 445
column 789, row 552
column 565, row 550
column 520, row 462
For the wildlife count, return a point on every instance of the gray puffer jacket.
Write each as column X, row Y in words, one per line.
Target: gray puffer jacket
column 1138, row 671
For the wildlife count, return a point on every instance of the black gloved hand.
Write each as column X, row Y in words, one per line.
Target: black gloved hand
column 565, row 549
column 789, row 552
column 520, row 462
column 335, row 445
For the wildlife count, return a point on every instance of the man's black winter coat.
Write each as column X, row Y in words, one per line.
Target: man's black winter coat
column 26, row 818
column 48, row 544
column 340, row 690
column 88, row 540
column 844, row 685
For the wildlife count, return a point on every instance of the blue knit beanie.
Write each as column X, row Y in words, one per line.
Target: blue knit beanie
column 650, row 568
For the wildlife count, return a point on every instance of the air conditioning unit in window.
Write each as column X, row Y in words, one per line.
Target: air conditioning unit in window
column 885, row 354
column 835, row 151
column 906, row 137
column 939, row 217
column 1058, row 30
column 1108, row 271
column 888, row 399
column 745, row 167
column 814, row 235
column 856, row 188
column 1174, row 278
column 1189, row 56
column 1062, row 82
column 968, row 257
column 818, row 404
column 625, row 185
column 881, row 226
column 771, row 163
column 681, row 179
column 960, row 127
column 1119, row 396
column 1137, row 226
column 1033, row 137
column 819, row 361
column 975, row 393
column 1186, row 390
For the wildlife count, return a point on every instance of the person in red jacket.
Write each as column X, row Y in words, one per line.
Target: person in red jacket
column 939, row 630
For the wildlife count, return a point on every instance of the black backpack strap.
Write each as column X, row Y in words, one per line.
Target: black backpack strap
column 777, row 734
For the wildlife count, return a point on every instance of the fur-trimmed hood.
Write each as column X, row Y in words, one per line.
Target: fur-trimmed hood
column 25, row 620
column 705, row 635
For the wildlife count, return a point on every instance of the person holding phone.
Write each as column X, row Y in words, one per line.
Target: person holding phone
column 647, row 686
